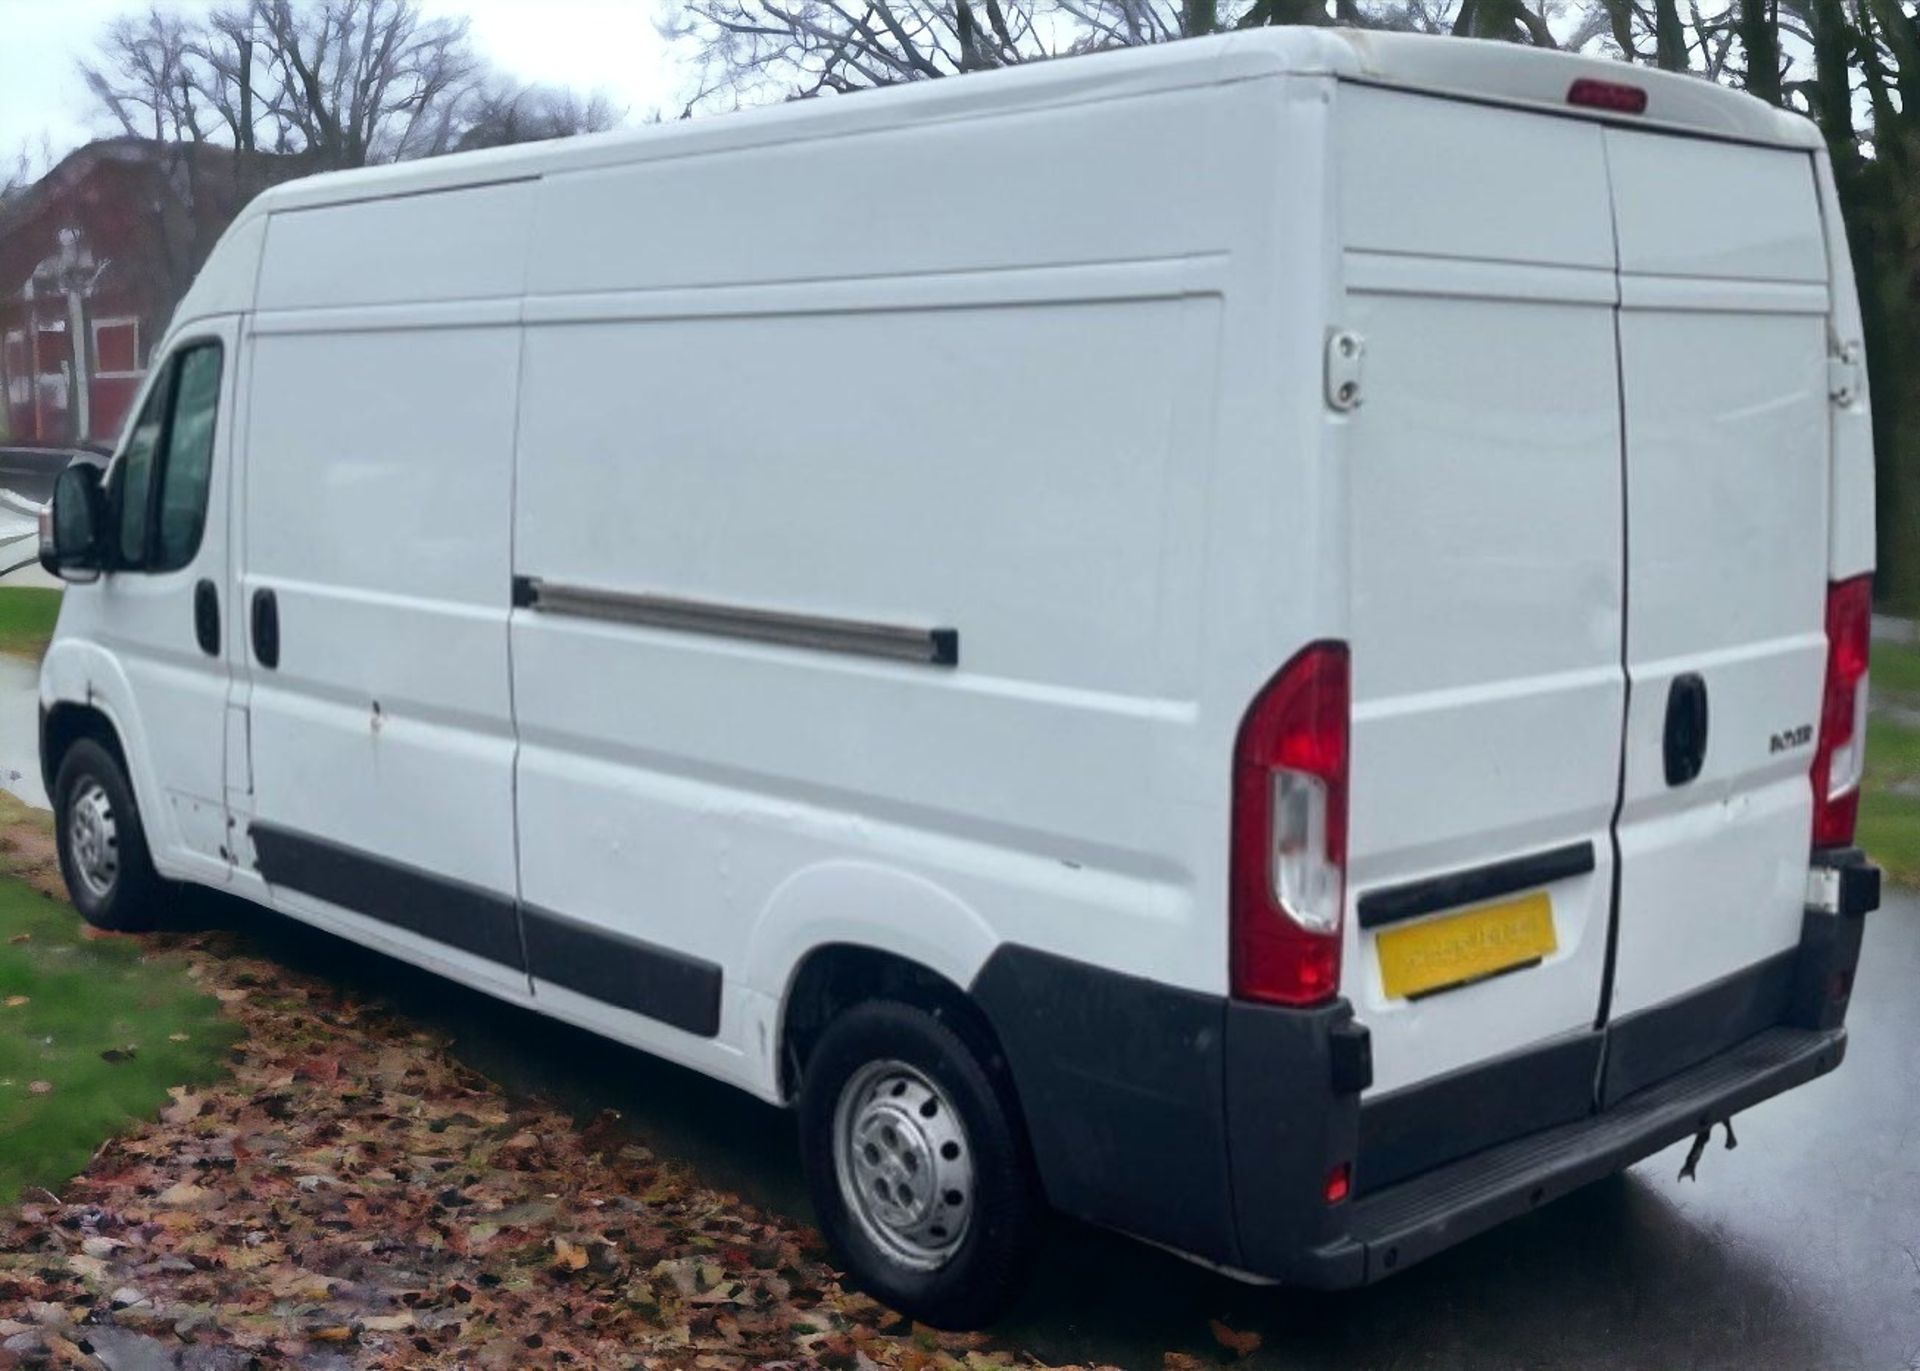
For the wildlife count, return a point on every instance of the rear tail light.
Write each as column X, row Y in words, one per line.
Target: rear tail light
column 1841, row 754
column 1616, row 97
column 1289, row 855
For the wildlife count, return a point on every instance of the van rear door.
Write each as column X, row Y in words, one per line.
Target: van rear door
column 1723, row 354
column 1486, row 618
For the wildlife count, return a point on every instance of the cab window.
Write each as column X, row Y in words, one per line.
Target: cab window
column 165, row 474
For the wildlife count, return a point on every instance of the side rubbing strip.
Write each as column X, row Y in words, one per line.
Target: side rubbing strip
column 895, row 642
column 460, row 915
column 1457, row 888
column 624, row 972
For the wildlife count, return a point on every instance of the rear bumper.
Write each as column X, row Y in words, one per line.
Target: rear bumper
column 1393, row 1228
column 1212, row 1127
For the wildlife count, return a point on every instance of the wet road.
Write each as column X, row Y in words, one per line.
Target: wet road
column 19, row 729
column 30, row 472
column 1799, row 1249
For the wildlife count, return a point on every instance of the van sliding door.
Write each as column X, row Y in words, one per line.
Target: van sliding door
column 376, row 572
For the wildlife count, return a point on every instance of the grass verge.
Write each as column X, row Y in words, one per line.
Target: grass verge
column 1896, row 670
column 26, row 620
column 92, row 1032
column 1890, row 800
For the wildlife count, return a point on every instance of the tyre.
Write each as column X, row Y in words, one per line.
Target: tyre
column 918, row 1165
column 103, row 848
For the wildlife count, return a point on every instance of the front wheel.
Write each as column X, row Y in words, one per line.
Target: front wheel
column 917, row 1165
column 103, row 848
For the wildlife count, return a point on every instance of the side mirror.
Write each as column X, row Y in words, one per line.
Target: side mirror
column 72, row 523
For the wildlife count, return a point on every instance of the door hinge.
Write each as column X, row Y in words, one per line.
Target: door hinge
column 1845, row 375
column 1346, row 350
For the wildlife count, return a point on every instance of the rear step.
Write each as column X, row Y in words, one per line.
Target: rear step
column 1405, row 1223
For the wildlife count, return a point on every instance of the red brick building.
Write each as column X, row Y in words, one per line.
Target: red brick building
column 93, row 258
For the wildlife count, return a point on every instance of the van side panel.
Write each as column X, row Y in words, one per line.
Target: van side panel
column 992, row 416
column 380, row 450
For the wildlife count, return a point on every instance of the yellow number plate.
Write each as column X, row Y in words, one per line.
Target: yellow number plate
column 1465, row 947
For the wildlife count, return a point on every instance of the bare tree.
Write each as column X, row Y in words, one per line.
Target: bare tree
column 747, row 49
column 502, row 113
column 741, row 51
column 328, row 83
column 144, row 77
column 366, row 80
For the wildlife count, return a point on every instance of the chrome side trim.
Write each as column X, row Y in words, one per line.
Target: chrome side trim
column 893, row 642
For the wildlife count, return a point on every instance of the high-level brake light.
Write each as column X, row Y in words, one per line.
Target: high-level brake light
column 1616, row 97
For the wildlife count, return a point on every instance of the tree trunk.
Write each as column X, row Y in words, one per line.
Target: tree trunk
column 1669, row 36
column 1760, row 36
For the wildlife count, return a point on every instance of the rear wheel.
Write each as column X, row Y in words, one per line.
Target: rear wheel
column 917, row 1165
column 103, row 848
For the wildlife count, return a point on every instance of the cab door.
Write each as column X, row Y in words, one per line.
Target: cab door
column 161, row 608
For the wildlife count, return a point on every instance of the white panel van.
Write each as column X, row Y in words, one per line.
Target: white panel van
column 1261, row 642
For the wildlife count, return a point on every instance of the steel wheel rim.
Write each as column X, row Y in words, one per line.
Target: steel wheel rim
column 93, row 839
column 904, row 1164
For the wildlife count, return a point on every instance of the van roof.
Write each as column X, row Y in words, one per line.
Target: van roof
column 1500, row 72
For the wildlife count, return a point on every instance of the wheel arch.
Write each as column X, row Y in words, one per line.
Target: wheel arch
column 836, row 977
column 80, row 676
column 64, row 723
column 844, row 931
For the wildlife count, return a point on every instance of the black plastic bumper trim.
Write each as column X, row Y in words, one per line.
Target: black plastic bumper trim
column 1436, row 1121
column 1472, row 886
column 1406, row 1223
column 1859, row 879
column 448, row 911
column 1120, row 1082
column 1211, row 1126
column 628, row 973
column 1653, row 1044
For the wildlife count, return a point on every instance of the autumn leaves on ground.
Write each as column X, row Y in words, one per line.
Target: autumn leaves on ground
column 324, row 1185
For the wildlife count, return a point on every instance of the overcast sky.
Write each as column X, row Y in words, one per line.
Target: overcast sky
column 607, row 45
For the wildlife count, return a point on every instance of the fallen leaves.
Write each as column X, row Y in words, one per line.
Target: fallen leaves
column 185, row 1108
column 1240, row 1344
column 354, row 1196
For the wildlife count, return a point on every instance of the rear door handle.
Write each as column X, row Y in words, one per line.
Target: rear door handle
column 1686, row 734
column 206, row 617
column 266, row 628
